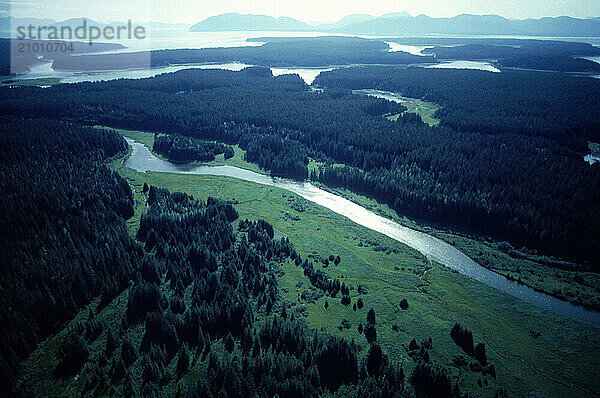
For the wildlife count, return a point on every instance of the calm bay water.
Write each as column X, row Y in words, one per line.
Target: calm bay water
column 414, row 50
column 307, row 74
column 45, row 71
column 478, row 65
column 161, row 39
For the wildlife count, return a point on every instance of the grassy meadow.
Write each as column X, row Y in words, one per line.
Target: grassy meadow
column 422, row 108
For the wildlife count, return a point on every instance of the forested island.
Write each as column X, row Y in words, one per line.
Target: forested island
column 490, row 48
column 307, row 52
column 526, row 54
column 562, row 64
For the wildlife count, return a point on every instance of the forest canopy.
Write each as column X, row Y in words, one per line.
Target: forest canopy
column 62, row 228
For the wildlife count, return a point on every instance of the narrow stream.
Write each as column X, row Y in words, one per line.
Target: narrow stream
column 434, row 249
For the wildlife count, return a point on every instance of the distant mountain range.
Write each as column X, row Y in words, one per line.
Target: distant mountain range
column 405, row 24
column 240, row 22
column 468, row 24
column 392, row 24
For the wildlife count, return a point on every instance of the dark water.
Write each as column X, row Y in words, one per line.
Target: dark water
column 434, row 249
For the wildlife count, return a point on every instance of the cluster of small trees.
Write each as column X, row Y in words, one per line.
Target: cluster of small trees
column 318, row 278
column 433, row 381
column 464, row 339
column 369, row 330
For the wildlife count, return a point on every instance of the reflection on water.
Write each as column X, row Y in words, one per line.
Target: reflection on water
column 307, row 74
column 486, row 66
column 591, row 159
column 414, row 50
column 142, row 160
column 594, row 59
column 45, row 71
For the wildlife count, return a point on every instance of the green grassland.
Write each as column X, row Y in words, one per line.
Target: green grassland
column 422, row 108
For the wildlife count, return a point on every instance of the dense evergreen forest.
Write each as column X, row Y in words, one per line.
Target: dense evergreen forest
column 216, row 282
column 63, row 241
column 200, row 288
column 506, row 160
column 506, row 48
column 307, row 52
column 178, row 148
column 559, row 107
column 563, row 64
column 553, row 56
column 494, row 48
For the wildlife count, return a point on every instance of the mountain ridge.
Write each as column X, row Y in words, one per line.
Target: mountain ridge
column 252, row 22
column 405, row 24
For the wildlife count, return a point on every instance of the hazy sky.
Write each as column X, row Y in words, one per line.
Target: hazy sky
column 191, row 11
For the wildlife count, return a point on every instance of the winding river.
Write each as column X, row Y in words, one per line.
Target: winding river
column 141, row 159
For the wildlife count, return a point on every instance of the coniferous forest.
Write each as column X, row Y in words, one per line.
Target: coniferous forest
column 144, row 291
column 64, row 241
column 183, row 149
